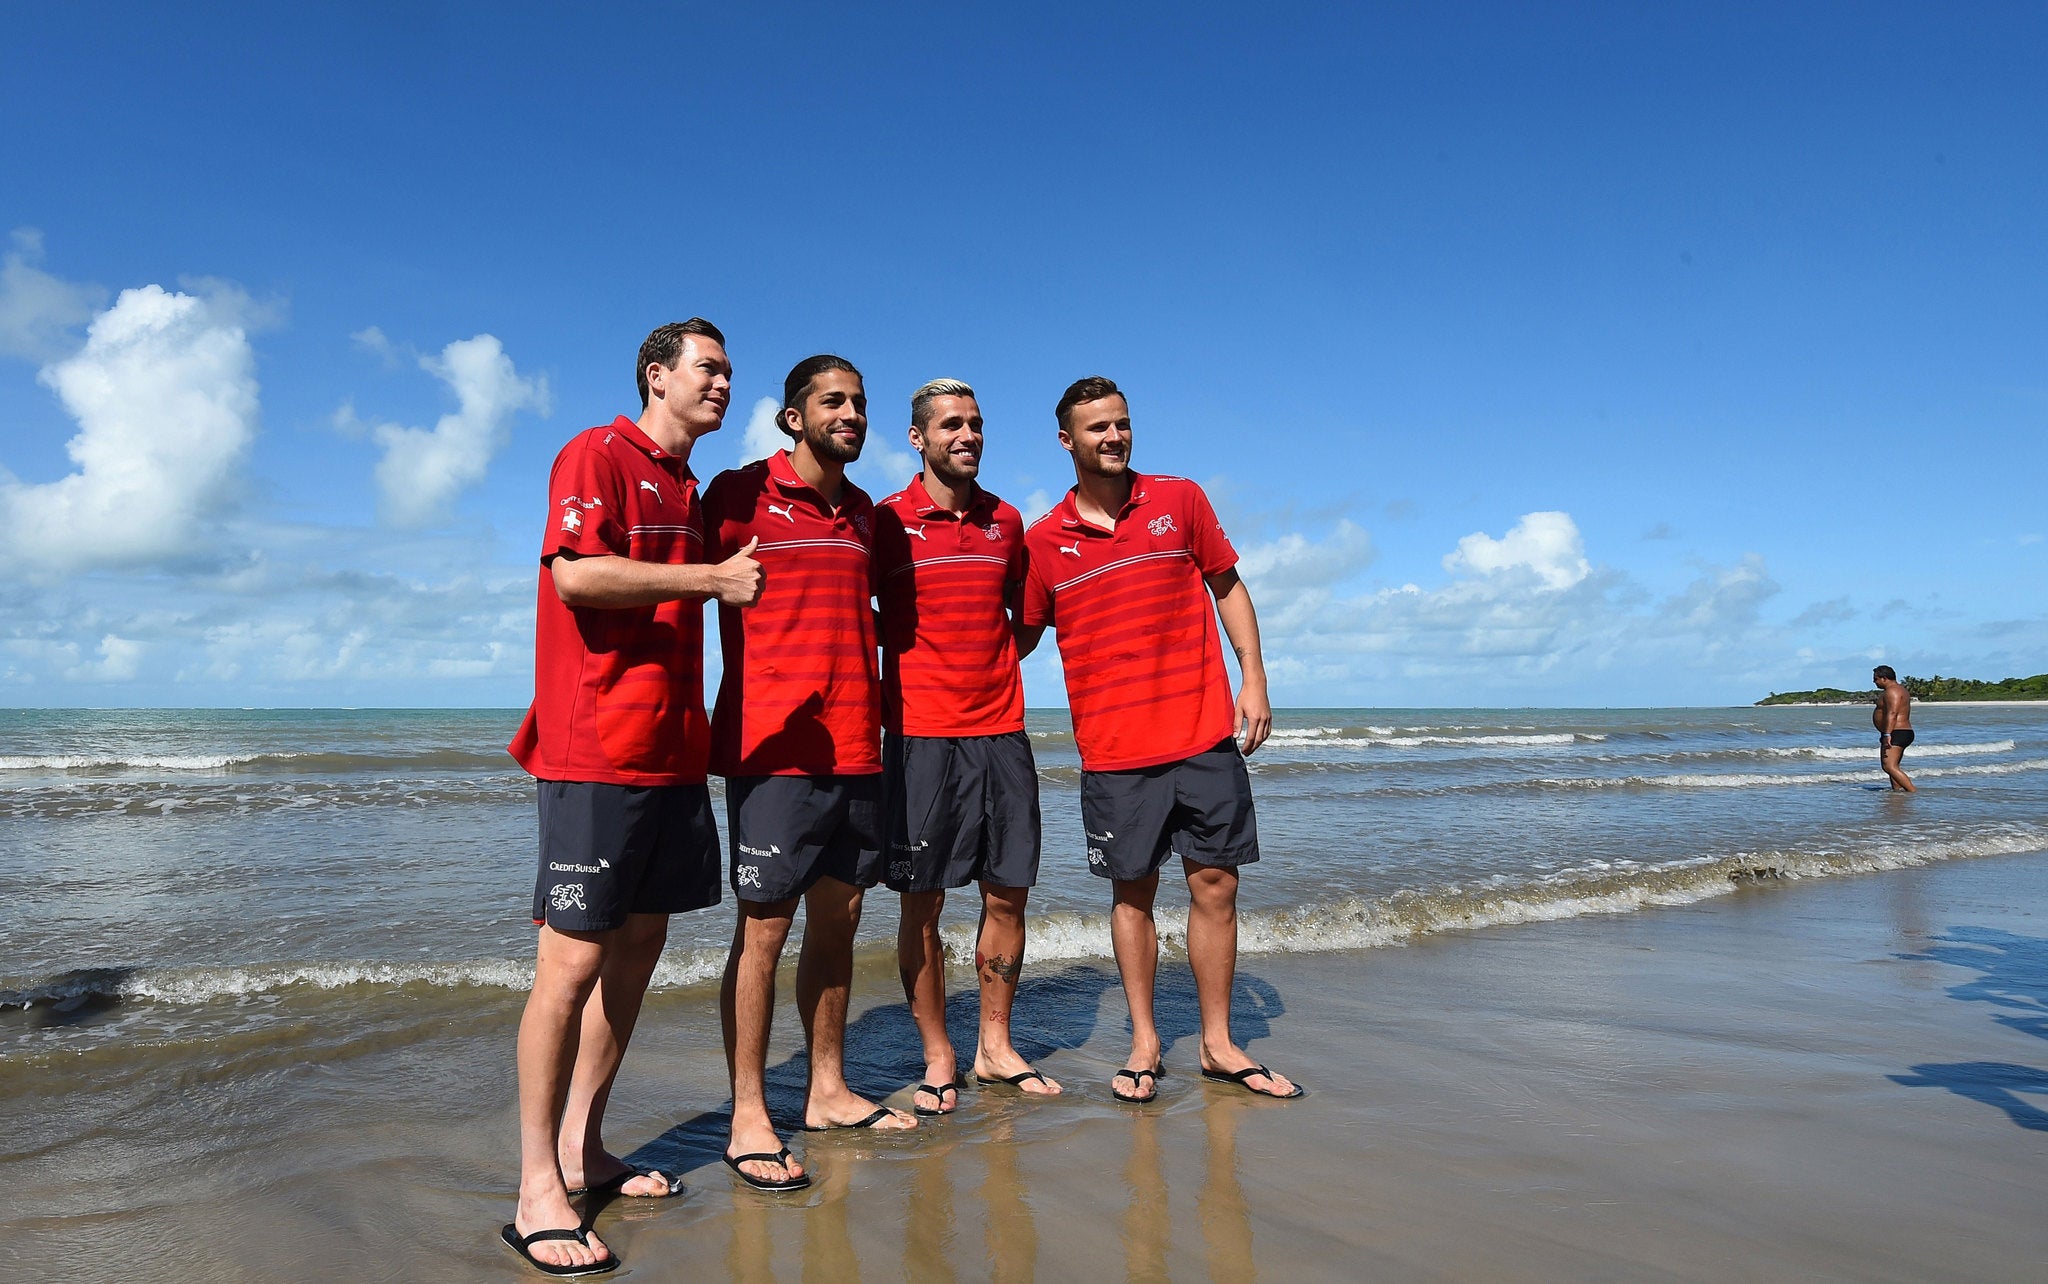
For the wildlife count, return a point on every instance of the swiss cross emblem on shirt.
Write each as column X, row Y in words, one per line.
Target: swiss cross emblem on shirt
column 572, row 521
column 1161, row 524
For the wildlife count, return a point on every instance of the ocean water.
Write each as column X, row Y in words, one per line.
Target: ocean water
column 175, row 879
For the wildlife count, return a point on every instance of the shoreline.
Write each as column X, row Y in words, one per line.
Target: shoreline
column 1734, row 1087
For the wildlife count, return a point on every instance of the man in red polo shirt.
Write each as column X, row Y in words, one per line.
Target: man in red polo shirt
column 617, row 739
column 1123, row 569
column 797, row 736
column 960, row 789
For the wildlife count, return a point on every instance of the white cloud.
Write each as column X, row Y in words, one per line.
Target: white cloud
column 881, row 471
column 423, row 470
column 164, row 393
column 1036, row 505
column 1546, row 545
column 762, row 438
column 371, row 340
column 38, row 312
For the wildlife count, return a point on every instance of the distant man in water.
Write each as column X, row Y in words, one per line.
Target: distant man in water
column 960, row 789
column 1894, row 720
column 797, row 735
column 1124, row 569
column 618, row 740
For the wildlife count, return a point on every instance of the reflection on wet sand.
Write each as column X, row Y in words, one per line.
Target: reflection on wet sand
column 1220, row 1209
column 928, row 1229
column 1226, row 1223
column 1011, row 1233
column 828, row 1249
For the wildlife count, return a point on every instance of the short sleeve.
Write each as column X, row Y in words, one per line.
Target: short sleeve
column 1037, row 593
column 586, row 500
column 718, row 506
column 1211, row 548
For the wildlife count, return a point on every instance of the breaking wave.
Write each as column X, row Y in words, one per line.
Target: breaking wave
column 1348, row 923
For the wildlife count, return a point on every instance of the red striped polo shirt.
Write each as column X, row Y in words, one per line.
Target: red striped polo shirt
column 800, row 695
column 618, row 692
column 944, row 579
column 1136, row 626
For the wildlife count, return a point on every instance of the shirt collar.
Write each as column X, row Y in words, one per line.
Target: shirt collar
column 640, row 441
column 921, row 499
column 1070, row 510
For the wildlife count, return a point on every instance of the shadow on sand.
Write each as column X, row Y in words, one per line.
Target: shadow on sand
column 2014, row 977
column 1056, row 1011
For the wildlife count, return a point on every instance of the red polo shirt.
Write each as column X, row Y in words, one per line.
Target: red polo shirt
column 800, row 695
column 944, row 579
column 618, row 692
column 1136, row 626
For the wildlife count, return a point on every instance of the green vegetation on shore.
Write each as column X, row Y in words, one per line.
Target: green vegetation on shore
column 1934, row 690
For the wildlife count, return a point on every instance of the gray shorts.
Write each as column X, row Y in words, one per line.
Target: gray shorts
column 1199, row 808
column 787, row 832
column 960, row 808
column 607, row 851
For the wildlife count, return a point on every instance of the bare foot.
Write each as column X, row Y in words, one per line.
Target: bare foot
column 847, row 1110
column 1231, row 1060
column 936, row 1098
column 1007, row 1065
column 601, row 1170
column 761, row 1140
column 1144, row 1085
column 549, row 1210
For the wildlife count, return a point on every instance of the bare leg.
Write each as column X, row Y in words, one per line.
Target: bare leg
column 1890, row 757
column 824, row 978
column 746, row 1010
column 609, row 1015
column 1135, row 938
column 565, row 976
column 1212, row 953
column 921, row 961
column 998, row 962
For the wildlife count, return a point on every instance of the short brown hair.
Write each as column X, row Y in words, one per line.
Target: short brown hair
column 1885, row 671
column 797, row 384
column 1093, row 388
column 665, row 344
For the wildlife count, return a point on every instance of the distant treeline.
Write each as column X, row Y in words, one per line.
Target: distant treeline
column 1934, row 690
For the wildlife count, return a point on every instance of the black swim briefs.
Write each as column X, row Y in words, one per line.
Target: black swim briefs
column 607, row 851
column 1900, row 739
column 787, row 832
column 1198, row 808
column 960, row 808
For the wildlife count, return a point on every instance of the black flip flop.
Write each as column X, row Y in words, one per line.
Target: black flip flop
column 938, row 1091
column 1016, row 1081
column 1240, row 1077
column 523, row 1245
column 869, row 1121
column 1135, row 1076
column 781, row 1156
column 617, row 1183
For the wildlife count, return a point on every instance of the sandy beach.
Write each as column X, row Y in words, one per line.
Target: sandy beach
column 1841, row 1079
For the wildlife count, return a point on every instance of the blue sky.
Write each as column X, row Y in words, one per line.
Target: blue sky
column 1549, row 355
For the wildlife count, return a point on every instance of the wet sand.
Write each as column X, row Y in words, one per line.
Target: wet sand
column 1838, row 1079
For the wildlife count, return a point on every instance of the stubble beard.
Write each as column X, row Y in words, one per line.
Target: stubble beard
column 826, row 446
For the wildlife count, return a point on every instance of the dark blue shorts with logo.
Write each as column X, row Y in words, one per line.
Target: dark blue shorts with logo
column 787, row 832
column 960, row 809
column 607, row 851
column 1199, row 808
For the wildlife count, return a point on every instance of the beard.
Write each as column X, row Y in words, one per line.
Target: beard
column 826, row 446
column 1098, row 466
column 950, row 470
